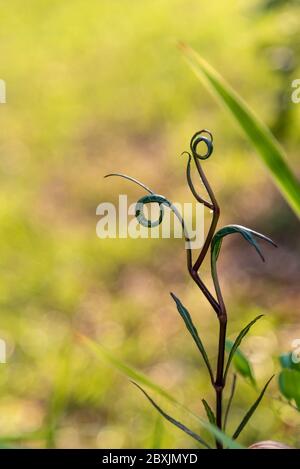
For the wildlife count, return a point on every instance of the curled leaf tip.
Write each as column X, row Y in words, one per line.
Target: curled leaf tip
column 130, row 178
column 248, row 234
column 186, row 153
column 202, row 136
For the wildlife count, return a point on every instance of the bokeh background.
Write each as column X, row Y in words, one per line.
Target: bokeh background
column 100, row 86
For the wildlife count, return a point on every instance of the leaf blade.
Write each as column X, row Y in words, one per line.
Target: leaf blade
column 251, row 410
column 241, row 363
column 247, row 233
column 238, row 341
column 132, row 374
column 170, row 419
column 289, row 385
column 193, row 331
column 210, row 415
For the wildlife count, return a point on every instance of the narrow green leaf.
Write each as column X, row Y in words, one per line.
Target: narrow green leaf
column 172, row 420
column 136, row 181
column 255, row 130
column 289, row 385
column 135, row 375
column 193, row 331
column 237, row 342
column 210, row 415
column 247, row 233
column 251, row 410
column 241, row 363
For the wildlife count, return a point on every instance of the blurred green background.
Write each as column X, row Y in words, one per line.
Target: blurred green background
column 100, row 86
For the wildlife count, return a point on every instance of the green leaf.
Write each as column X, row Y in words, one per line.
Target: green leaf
column 240, row 361
column 172, row 420
column 251, row 410
column 129, row 178
column 193, row 331
column 148, row 199
column 286, row 361
column 248, row 235
column 210, row 415
column 139, row 377
column 254, row 129
column 289, row 385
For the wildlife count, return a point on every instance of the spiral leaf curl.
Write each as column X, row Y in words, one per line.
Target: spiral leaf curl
column 199, row 137
column 153, row 198
column 148, row 199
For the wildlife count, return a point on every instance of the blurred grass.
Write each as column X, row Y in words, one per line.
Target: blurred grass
column 98, row 87
column 257, row 133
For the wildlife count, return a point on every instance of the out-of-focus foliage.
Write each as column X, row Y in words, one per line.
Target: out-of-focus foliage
column 96, row 87
column 289, row 378
column 241, row 363
column 257, row 133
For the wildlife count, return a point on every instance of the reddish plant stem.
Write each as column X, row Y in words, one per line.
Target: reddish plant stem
column 218, row 305
column 219, row 383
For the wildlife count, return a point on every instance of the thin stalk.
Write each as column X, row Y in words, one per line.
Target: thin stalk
column 194, row 268
column 220, row 382
column 218, row 305
column 216, row 214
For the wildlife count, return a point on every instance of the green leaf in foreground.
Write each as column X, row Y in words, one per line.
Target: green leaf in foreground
column 193, row 331
column 172, row 420
column 286, row 361
column 255, row 130
column 125, row 369
column 289, row 385
column 232, row 349
column 139, row 377
column 251, row 410
column 240, row 362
